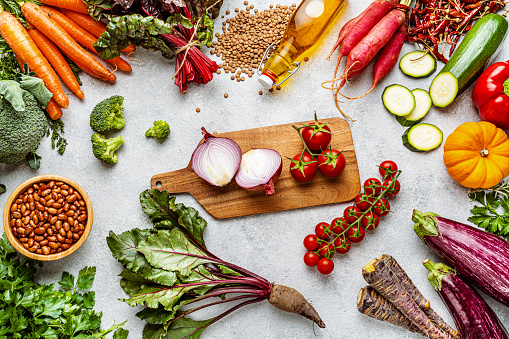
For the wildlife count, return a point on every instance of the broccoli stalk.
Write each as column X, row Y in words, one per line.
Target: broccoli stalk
column 160, row 131
column 107, row 115
column 105, row 149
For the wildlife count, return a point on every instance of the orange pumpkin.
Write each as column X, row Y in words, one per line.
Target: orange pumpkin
column 476, row 154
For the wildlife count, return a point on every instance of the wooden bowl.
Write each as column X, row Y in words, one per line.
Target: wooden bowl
column 20, row 190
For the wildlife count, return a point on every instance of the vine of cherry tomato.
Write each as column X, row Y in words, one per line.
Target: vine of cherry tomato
column 350, row 228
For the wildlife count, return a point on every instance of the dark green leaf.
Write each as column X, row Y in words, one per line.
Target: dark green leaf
column 5, row 315
column 34, row 160
column 2, row 188
column 86, row 278
column 180, row 328
column 67, row 281
column 52, row 307
column 120, row 334
column 156, row 316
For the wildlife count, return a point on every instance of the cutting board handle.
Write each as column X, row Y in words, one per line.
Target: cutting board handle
column 179, row 181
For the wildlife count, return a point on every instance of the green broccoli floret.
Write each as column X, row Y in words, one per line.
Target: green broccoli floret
column 104, row 149
column 107, row 115
column 20, row 131
column 160, row 131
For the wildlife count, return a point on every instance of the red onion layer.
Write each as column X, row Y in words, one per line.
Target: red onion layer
column 216, row 160
column 259, row 169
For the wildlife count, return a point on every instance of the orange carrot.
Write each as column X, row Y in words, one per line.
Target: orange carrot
column 96, row 28
column 81, row 36
column 22, row 44
column 75, row 5
column 56, row 59
column 65, row 42
column 52, row 108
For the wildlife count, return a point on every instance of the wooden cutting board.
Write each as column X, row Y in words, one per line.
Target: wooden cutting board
column 233, row 201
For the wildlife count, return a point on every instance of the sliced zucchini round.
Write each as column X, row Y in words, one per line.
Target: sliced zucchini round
column 398, row 100
column 443, row 89
column 418, row 64
column 422, row 106
column 422, row 137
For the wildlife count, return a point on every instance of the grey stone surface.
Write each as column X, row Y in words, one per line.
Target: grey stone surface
column 269, row 244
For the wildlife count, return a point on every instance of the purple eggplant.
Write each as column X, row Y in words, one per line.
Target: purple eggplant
column 474, row 319
column 480, row 257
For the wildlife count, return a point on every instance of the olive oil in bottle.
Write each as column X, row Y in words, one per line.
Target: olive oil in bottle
column 305, row 27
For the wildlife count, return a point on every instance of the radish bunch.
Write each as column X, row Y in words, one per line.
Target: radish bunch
column 364, row 215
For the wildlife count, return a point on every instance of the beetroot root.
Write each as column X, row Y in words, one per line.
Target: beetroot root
column 290, row 300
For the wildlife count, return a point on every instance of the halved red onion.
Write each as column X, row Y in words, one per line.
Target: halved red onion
column 216, row 160
column 259, row 169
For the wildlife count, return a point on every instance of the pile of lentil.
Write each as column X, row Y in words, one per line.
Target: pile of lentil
column 48, row 217
column 247, row 35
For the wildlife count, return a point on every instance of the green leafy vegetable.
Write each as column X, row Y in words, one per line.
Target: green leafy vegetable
column 2, row 188
column 34, row 160
column 493, row 213
column 30, row 310
column 56, row 129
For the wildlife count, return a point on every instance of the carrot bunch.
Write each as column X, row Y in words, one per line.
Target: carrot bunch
column 52, row 33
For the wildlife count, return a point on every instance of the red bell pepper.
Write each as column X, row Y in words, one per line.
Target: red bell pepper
column 491, row 95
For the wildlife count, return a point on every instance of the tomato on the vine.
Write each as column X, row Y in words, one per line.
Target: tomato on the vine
column 310, row 242
column 370, row 221
column 303, row 169
column 323, row 230
column 389, row 167
column 342, row 244
column 339, row 225
column 382, row 207
column 372, row 186
column 394, row 185
column 353, row 215
column 311, row 258
column 325, row 266
column 317, row 136
column 326, row 250
column 331, row 162
column 356, row 233
column 363, row 201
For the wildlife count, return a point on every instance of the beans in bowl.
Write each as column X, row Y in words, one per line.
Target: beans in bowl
column 49, row 217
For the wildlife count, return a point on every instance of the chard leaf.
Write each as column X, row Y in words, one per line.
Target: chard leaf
column 133, row 288
column 156, row 316
column 171, row 250
column 153, row 296
column 180, row 328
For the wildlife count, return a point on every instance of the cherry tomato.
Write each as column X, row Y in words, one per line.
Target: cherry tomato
column 352, row 216
column 311, row 258
column 310, row 242
column 304, row 170
column 326, row 250
column 325, row 266
column 342, row 245
column 331, row 162
column 387, row 165
column 372, row 186
column 323, row 231
column 370, row 221
column 389, row 182
column 338, row 225
column 318, row 137
column 363, row 201
column 382, row 207
column 356, row 233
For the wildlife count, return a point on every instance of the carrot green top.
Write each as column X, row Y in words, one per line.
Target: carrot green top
column 437, row 272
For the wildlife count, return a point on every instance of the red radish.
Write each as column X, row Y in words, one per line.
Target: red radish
column 345, row 30
column 388, row 58
column 372, row 43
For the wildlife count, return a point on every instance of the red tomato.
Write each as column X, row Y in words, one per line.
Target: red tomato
column 325, row 266
column 363, row 201
column 370, row 221
column 304, row 170
column 326, row 250
column 317, row 136
column 387, row 165
column 356, row 233
column 323, row 231
column 339, row 225
column 382, row 207
column 311, row 259
column 352, row 216
column 331, row 162
column 310, row 242
column 372, row 187
column 394, row 185
column 342, row 245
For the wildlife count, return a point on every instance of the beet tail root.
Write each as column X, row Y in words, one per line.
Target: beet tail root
column 290, row 300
